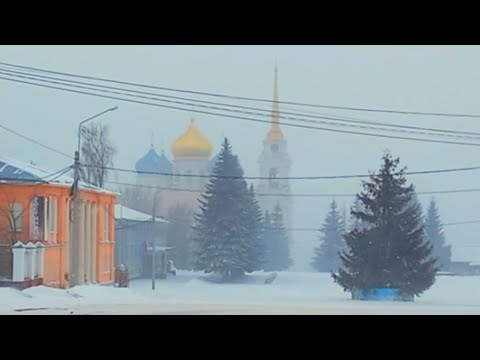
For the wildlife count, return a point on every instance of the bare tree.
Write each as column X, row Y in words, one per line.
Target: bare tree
column 12, row 227
column 97, row 154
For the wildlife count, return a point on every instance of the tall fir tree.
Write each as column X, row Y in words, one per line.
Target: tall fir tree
column 277, row 255
column 253, row 221
column 227, row 227
column 388, row 249
column 327, row 258
column 434, row 233
column 355, row 222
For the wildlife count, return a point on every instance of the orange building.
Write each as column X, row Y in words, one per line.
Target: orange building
column 36, row 233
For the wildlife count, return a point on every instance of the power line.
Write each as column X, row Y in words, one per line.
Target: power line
column 438, row 171
column 448, row 224
column 57, row 174
column 44, row 179
column 245, row 118
column 35, row 141
column 306, row 229
column 311, row 195
column 159, row 97
column 328, row 123
column 462, row 223
column 242, row 97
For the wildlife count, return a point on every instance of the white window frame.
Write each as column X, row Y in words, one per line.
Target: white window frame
column 51, row 219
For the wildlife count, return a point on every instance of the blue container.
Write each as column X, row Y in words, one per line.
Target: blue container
column 385, row 294
column 380, row 294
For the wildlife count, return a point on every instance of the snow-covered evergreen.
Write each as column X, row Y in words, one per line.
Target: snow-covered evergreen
column 253, row 232
column 391, row 250
column 227, row 228
column 327, row 258
column 434, row 233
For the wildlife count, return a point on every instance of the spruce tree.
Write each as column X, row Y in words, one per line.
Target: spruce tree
column 253, row 221
column 355, row 222
column 277, row 256
column 327, row 257
column 388, row 249
column 434, row 233
column 224, row 227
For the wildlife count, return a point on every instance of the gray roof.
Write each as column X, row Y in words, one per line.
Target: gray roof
column 15, row 171
column 124, row 213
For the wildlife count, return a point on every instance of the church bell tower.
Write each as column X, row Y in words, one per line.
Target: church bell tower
column 275, row 164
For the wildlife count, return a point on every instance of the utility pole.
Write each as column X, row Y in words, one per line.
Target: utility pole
column 153, row 265
column 74, row 248
column 77, row 269
column 154, row 213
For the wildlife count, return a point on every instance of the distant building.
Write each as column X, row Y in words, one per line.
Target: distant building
column 465, row 260
column 134, row 231
column 464, row 268
column 36, row 234
column 192, row 155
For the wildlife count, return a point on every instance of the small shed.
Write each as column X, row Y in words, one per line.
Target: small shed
column 133, row 230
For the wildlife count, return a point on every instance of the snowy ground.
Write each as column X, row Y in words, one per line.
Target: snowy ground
column 188, row 293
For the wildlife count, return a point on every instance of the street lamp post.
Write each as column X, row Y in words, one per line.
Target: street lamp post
column 78, row 275
column 154, row 242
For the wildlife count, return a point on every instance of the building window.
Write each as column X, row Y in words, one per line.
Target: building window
column 272, row 176
column 67, row 220
column 16, row 215
column 52, row 215
column 37, row 218
column 106, row 221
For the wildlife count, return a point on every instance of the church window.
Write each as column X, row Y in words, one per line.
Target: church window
column 272, row 176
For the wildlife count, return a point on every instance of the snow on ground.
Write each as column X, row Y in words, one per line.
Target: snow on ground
column 42, row 297
column 189, row 293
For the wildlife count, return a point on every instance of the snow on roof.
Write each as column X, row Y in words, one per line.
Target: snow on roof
column 124, row 213
column 12, row 170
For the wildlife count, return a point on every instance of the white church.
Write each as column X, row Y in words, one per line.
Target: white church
column 193, row 154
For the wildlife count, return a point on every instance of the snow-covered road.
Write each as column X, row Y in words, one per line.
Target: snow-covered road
column 187, row 293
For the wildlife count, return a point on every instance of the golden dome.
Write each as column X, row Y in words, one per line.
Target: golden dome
column 192, row 145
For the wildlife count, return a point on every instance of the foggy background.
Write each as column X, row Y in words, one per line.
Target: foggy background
column 413, row 78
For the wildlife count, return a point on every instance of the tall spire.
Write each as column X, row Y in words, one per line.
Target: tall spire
column 275, row 133
column 151, row 139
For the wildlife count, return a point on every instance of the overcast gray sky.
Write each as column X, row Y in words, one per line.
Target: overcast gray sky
column 416, row 78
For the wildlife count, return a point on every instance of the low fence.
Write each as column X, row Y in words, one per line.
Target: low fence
column 28, row 261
